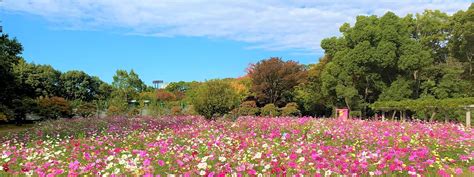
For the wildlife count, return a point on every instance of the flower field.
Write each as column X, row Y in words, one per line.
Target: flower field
column 192, row 146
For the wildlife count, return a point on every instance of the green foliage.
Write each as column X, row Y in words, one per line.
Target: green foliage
column 248, row 108
column 270, row 110
column 54, row 107
column 127, row 85
column 37, row 80
column 117, row 106
column 10, row 51
column 309, row 94
column 78, row 85
column 214, row 98
column 461, row 43
column 391, row 58
column 399, row 89
column 291, row 109
column 355, row 113
column 426, row 107
column 86, row 109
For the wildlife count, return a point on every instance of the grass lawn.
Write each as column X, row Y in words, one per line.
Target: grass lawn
column 5, row 129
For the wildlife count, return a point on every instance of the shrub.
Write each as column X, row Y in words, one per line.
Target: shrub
column 54, row 107
column 189, row 110
column 5, row 113
column 117, row 107
column 214, row 98
column 176, row 110
column 270, row 110
column 86, row 109
column 291, row 109
column 355, row 113
column 248, row 108
column 163, row 95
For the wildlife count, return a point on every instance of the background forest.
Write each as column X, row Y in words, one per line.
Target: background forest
column 411, row 63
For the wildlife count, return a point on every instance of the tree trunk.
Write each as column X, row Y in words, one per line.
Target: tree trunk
column 383, row 115
column 393, row 115
column 404, row 116
column 415, row 76
column 432, row 116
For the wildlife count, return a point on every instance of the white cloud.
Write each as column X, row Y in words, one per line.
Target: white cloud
column 268, row 24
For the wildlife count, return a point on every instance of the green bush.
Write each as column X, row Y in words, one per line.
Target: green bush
column 86, row 109
column 5, row 113
column 189, row 110
column 269, row 110
column 117, row 107
column 291, row 109
column 214, row 98
column 248, row 108
column 357, row 114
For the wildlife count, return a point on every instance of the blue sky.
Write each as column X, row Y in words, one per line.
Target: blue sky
column 188, row 40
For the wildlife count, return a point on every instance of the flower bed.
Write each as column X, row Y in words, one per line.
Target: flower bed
column 191, row 146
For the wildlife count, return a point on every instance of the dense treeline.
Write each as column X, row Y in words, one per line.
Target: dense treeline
column 386, row 63
column 392, row 58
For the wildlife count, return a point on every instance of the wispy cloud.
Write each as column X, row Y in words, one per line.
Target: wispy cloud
column 268, row 24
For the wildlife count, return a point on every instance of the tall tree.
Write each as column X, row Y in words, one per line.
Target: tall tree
column 10, row 51
column 37, row 80
column 215, row 98
column 127, row 85
column 308, row 94
column 461, row 44
column 273, row 80
column 77, row 85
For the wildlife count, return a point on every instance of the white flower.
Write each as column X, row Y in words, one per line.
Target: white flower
column 371, row 173
column 1, row 168
column 301, row 159
column 328, row 173
column 299, row 151
column 110, row 158
column 204, row 159
column 202, row 172
column 202, row 165
column 258, row 155
column 222, row 159
column 265, row 145
column 267, row 166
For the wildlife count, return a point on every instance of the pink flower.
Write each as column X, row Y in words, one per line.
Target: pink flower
column 443, row 173
column 293, row 156
column 252, row 172
column 458, row 171
column 161, row 163
column 405, row 138
column 180, row 163
column 292, row 164
column 146, row 162
column 240, row 168
column 211, row 174
column 73, row 166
